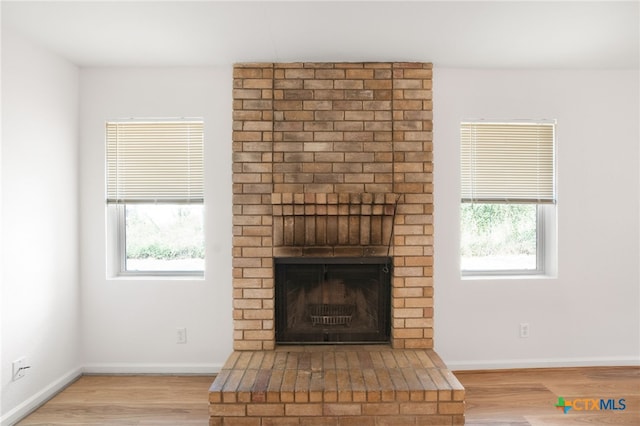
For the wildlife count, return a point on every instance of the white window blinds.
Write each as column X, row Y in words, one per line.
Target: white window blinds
column 155, row 161
column 507, row 162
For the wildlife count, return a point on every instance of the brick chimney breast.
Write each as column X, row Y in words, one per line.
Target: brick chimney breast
column 332, row 159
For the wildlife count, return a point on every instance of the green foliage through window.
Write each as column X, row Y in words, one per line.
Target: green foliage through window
column 162, row 236
column 498, row 236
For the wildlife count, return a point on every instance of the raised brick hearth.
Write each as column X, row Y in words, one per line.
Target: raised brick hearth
column 336, row 385
column 333, row 160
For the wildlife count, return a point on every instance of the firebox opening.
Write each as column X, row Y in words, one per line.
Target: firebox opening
column 333, row 300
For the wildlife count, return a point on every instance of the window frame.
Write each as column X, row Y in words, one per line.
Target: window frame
column 546, row 221
column 115, row 210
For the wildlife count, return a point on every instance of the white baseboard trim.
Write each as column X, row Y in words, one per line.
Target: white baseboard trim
column 162, row 369
column 31, row 404
column 544, row 363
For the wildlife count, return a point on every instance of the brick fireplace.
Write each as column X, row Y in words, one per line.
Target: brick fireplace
column 334, row 160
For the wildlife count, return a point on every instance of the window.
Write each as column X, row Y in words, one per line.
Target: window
column 508, row 197
column 155, row 197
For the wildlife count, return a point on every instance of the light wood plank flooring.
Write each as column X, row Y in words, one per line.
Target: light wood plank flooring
column 498, row 398
column 128, row 400
column 528, row 397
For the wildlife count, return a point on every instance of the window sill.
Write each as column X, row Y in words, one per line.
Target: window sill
column 159, row 277
column 512, row 277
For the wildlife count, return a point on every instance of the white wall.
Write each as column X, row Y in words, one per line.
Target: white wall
column 40, row 275
column 129, row 325
column 589, row 314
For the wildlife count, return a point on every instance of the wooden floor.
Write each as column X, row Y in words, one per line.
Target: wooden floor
column 528, row 397
column 497, row 398
column 128, row 400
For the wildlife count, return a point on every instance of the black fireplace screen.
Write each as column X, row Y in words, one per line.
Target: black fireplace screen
column 332, row 300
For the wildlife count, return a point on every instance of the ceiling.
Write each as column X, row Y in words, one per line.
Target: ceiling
column 478, row 34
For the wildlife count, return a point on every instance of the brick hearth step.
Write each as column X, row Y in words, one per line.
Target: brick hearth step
column 337, row 386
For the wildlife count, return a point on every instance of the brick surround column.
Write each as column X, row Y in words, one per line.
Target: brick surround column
column 318, row 137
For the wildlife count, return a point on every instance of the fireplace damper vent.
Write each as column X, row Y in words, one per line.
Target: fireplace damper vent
column 332, row 300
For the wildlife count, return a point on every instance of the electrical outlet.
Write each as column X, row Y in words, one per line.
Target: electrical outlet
column 181, row 335
column 524, row 330
column 20, row 368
